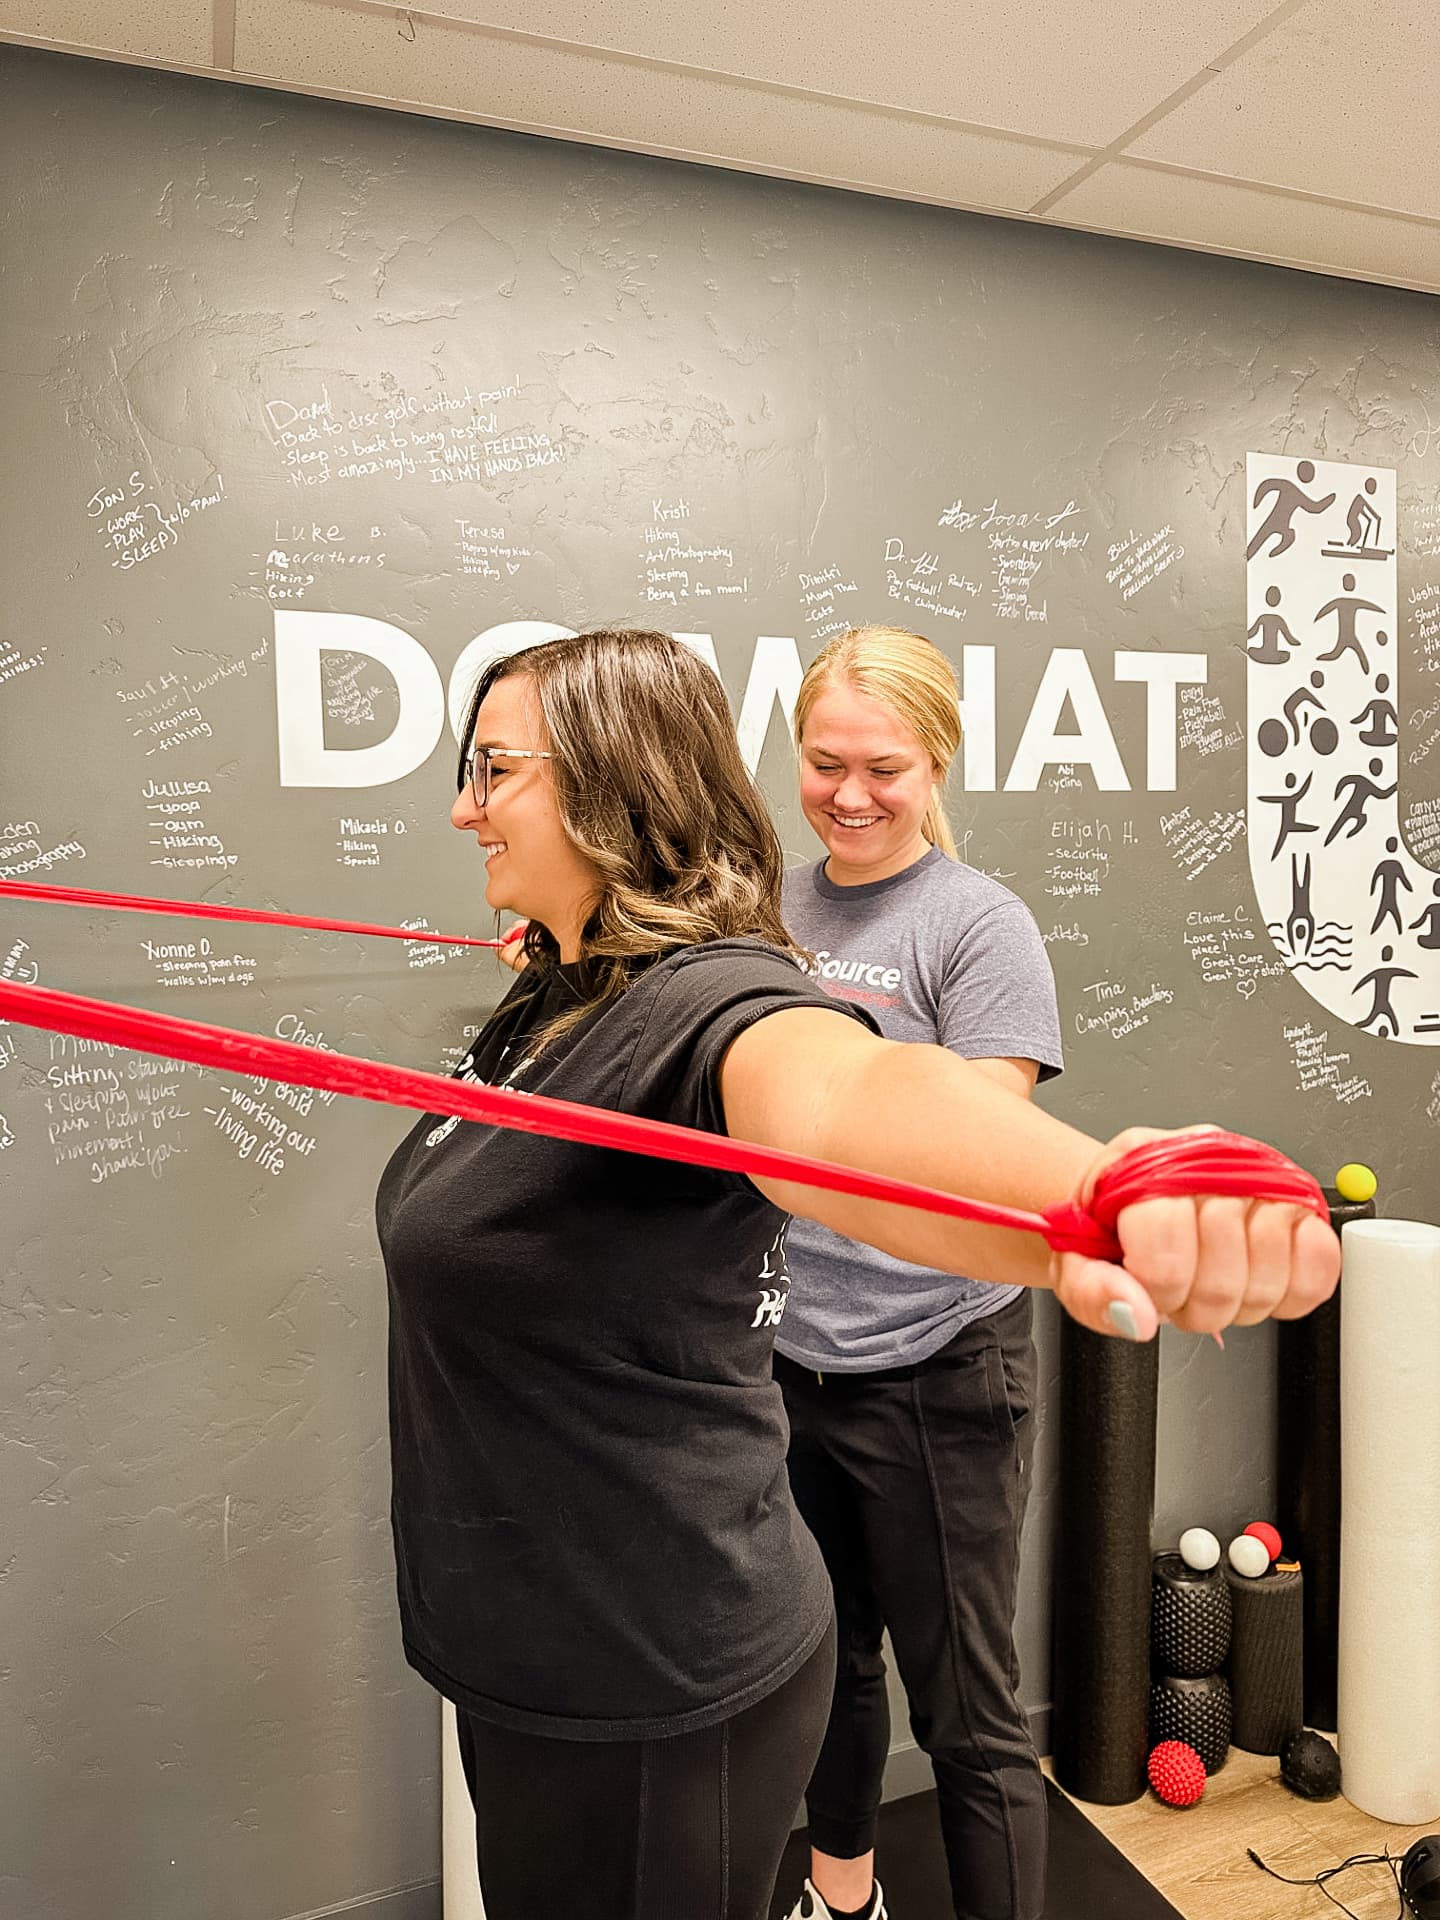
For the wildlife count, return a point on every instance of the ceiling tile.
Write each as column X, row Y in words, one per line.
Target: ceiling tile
column 1150, row 203
column 1340, row 100
column 178, row 32
column 545, row 88
column 1067, row 72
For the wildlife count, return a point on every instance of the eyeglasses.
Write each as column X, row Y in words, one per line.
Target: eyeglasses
column 478, row 762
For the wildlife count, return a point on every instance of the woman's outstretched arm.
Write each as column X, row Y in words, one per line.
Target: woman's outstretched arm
column 816, row 1084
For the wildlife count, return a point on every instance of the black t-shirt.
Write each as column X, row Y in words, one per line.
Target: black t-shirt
column 594, row 1533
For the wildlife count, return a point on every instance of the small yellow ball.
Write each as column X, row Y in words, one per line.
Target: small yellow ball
column 1356, row 1182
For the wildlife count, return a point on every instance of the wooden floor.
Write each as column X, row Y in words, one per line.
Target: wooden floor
column 1196, row 1856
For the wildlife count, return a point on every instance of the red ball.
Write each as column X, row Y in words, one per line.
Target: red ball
column 1177, row 1773
column 1262, row 1531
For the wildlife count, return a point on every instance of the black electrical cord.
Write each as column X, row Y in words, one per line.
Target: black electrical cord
column 1387, row 1859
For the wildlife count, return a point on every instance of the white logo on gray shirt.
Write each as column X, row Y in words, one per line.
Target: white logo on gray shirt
column 860, row 972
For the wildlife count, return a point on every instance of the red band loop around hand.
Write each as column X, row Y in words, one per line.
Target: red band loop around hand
column 1179, row 1167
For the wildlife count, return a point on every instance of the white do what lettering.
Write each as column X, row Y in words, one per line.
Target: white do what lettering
column 303, row 638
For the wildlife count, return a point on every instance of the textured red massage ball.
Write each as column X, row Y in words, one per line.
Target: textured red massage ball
column 1262, row 1531
column 1177, row 1773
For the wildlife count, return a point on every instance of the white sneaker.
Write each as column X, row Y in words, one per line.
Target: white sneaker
column 810, row 1906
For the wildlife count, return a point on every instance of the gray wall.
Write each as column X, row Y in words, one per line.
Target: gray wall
column 590, row 387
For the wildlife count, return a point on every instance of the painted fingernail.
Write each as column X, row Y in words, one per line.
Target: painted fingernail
column 1121, row 1316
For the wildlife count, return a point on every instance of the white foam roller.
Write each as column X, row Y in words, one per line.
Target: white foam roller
column 461, row 1878
column 1389, row 1654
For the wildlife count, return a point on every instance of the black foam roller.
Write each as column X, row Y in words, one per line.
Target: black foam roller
column 1102, row 1569
column 1196, row 1711
column 1267, row 1669
column 1307, row 1474
column 1189, row 1618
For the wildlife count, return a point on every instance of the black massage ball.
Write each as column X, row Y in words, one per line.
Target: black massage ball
column 1310, row 1766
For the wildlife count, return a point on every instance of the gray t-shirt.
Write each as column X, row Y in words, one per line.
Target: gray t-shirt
column 937, row 953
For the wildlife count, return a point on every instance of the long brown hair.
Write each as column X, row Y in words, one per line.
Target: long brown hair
column 909, row 674
column 652, row 790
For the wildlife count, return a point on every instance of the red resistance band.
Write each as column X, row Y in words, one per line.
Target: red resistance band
column 1220, row 1163
column 202, row 910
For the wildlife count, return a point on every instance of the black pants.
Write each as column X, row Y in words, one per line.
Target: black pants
column 689, row 1828
column 914, row 1482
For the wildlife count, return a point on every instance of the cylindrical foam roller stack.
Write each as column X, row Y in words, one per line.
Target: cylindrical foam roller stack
column 1189, row 1618
column 1267, row 1666
column 1102, row 1569
column 1307, row 1477
column 1195, row 1711
column 1389, row 1694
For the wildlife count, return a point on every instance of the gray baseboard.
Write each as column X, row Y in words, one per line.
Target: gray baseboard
column 907, row 1771
column 422, row 1901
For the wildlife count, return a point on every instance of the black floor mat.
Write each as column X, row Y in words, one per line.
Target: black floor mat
column 1089, row 1879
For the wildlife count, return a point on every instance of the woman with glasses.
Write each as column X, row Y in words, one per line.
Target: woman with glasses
column 598, row 1558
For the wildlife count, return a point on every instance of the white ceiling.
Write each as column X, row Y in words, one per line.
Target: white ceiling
column 1295, row 131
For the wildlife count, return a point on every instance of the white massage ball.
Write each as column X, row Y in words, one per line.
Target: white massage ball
column 1199, row 1548
column 1248, row 1556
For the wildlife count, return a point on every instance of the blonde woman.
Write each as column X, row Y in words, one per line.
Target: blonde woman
column 909, row 1389
column 598, row 1557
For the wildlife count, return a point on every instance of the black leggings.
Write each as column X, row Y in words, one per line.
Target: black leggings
column 914, row 1482
column 688, row 1828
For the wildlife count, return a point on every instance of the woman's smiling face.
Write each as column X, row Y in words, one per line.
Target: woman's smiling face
column 532, row 867
column 866, row 783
